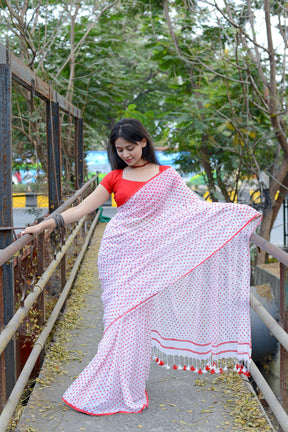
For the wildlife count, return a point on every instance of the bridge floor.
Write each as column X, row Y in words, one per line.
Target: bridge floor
column 178, row 400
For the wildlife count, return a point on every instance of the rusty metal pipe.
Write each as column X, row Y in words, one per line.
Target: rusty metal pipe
column 19, row 387
column 270, row 322
column 9, row 331
column 268, row 247
column 271, row 399
column 7, row 253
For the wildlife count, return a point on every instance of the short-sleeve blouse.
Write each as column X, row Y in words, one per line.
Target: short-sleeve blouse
column 123, row 189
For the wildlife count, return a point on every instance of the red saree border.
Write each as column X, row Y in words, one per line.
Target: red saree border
column 146, row 405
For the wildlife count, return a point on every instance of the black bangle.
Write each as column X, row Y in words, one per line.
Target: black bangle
column 58, row 218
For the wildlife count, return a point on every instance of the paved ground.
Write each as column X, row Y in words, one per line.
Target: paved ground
column 179, row 400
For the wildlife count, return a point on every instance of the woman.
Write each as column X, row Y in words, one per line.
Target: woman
column 175, row 276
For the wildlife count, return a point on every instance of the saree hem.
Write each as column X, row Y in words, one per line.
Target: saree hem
column 146, row 405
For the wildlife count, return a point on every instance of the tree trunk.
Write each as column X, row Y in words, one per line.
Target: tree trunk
column 265, row 231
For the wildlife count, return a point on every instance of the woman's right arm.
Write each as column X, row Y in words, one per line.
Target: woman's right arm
column 95, row 200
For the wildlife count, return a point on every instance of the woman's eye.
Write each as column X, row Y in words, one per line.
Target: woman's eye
column 128, row 149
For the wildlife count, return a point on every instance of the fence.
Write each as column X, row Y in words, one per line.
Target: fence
column 11, row 277
column 33, row 292
column 279, row 330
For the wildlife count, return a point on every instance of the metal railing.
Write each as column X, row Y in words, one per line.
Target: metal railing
column 30, row 298
column 279, row 330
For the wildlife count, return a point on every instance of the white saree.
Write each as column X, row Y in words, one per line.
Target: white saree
column 175, row 273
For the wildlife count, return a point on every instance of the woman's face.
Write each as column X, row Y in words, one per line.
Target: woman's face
column 130, row 153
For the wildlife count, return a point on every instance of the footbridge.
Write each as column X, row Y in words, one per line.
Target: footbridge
column 51, row 316
column 62, row 337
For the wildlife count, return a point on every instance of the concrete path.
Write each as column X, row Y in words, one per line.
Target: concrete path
column 178, row 400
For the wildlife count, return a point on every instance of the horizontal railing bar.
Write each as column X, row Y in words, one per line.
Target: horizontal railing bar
column 28, row 79
column 8, row 253
column 11, row 328
column 270, row 322
column 19, row 387
column 268, row 247
column 270, row 397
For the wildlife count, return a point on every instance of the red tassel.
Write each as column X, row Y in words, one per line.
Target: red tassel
column 161, row 363
column 157, row 360
column 175, row 367
column 247, row 374
column 207, row 368
column 192, row 368
column 212, row 371
column 220, row 370
column 184, row 367
column 200, row 372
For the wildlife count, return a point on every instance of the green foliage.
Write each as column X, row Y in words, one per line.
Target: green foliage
column 185, row 69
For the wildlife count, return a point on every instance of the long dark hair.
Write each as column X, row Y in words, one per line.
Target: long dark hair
column 133, row 131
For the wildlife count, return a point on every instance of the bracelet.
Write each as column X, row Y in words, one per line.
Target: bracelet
column 59, row 220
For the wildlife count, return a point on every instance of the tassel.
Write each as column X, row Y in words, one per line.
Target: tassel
column 207, row 368
column 175, row 367
column 161, row 363
column 220, row 370
column 184, row 367
column 192, row 368
column 212, row 371
column 200, row 372
column 157, row 360
column 240, row 369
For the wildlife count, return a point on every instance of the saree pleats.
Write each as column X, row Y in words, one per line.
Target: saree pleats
column 114, row 381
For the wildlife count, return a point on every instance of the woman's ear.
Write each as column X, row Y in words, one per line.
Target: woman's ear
column 143, row 142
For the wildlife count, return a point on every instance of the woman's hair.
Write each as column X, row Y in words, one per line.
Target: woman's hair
column 132, row 131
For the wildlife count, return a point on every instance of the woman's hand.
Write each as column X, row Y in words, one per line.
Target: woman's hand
column 34, row 230
column 37, row 229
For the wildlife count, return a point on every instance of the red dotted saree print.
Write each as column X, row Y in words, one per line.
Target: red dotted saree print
column 175, row 274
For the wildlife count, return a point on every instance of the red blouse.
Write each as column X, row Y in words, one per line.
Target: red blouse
column 123, row 189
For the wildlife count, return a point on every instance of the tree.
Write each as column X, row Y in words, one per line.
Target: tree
column 231, row 93
column 102, row 65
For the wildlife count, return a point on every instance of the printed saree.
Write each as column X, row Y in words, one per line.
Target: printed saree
column 175, row 273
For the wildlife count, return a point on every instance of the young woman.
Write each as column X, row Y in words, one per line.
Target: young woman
column 175, row 276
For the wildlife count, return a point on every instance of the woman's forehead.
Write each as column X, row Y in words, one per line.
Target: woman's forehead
column 121, row 142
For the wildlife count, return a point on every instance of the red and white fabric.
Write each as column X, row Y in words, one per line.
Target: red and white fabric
column 175, row 273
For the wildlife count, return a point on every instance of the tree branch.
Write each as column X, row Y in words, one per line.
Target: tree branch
column 82, row 40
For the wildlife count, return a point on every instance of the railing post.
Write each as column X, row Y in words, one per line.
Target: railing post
column 2, row 356
column 54, row 155
column 6, row 212
column 78, row 152
column 284, row 322
column 40, row 271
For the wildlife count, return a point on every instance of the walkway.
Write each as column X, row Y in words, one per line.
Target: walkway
column 179, row 400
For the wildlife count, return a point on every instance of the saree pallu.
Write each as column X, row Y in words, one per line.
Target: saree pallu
column 175, row 273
